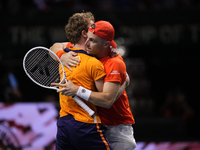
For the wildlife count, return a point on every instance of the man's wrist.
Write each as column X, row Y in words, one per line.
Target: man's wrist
column 60, row 53
column 84, row 93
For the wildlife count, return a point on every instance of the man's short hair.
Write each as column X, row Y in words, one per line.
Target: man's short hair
column 76, row 24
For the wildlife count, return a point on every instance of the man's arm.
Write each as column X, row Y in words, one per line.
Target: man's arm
column 107, row 97
column 108, row 93
column 123, row 86
column 67, row 59
column 58, row 46
column 111, row 92
column 104, row 99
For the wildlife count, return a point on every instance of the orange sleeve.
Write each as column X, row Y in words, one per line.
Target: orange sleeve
column 115, row 71
column 69, row 44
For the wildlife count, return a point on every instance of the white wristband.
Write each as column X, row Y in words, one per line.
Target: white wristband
column 84, row 93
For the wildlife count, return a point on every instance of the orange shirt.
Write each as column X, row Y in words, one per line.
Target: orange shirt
column 89, row 70
column 119, row 112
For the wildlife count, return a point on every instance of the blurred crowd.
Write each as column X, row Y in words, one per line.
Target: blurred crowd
column 100, row 5
column 9, row 85
column 143, row 103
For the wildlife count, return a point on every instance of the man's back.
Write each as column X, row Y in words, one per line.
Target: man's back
column 89, row 70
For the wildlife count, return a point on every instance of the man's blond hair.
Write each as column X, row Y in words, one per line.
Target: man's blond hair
column 76, row 24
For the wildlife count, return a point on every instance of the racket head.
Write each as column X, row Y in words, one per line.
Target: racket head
column 41, row 67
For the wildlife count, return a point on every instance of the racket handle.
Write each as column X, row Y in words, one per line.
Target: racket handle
column 83, row 105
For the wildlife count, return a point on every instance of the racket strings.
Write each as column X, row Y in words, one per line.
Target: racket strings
column 42, row 68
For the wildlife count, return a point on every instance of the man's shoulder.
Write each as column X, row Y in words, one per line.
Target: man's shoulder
column 90, row 59
column 115, row 60
column 93, row 59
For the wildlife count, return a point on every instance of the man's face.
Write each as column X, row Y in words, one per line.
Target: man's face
column 93, row 44
column 90, row 23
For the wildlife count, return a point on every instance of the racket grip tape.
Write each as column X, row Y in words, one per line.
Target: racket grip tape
column 83, row 105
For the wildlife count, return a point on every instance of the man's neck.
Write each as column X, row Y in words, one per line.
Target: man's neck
column 81, row 46
column 104, row 53
column 81, row 43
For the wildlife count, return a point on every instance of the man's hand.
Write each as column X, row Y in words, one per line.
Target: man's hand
column 127, row 80
column 69, row 60
column 68, row 88
column 114, row 52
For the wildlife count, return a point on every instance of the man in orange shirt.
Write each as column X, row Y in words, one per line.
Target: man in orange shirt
column 116, row 114
column 76, row 129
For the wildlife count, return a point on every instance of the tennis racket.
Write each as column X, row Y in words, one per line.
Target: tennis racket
column 41, row 67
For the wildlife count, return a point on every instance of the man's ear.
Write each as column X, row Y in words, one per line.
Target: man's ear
column 84, row 34
column 107, row 44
